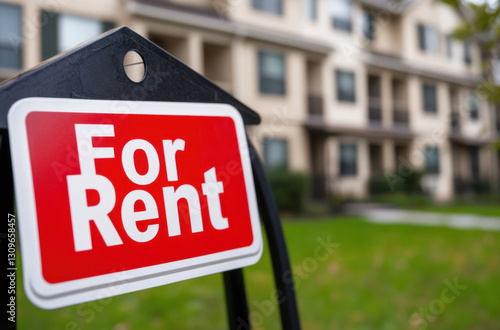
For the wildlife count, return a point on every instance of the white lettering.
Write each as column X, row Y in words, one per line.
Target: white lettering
column 169, row 149
column 212, row 188
column 86, row 152
column 82, row 213
column 171, row 198
column 129, row 165
column 130, row 217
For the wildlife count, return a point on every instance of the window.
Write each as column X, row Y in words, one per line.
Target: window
column 271, row 72
column 429, row 98
column 341, row 14
column 474, row 163
column 275, row 154
column 62, row 32
column 10, row 36
column 449, row 46
column 368, row 25
column 497, row 113
column 473, row 106
column 427, row 39
column 270, row 6
column 431, row 160
column 346, row 89
column 348, row 159
column 311, row 9
column 467, row 53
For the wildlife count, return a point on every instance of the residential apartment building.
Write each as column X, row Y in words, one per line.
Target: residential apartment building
column 347, row 89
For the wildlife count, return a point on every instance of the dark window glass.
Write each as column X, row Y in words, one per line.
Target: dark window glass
column 311, row 7
column 346, row 86
column 348, row 159
column 368, row 25
column 11, row 39
column 473, row 107
column 271, row 72
column 62, row 31
column 432, row 160
column 449, row 46
column 474, row 163
column 427, row 38
column 270, row 6
column 275, row 154
column 467, row 53
column 429, row 98
column 497, row 113
column 341, row 14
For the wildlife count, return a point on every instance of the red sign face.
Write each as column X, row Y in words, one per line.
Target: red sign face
column 129, row 194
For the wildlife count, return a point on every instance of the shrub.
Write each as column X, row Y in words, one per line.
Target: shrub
column 482, row 187
column 289, row 189
column 378, row 185
column 396, row 183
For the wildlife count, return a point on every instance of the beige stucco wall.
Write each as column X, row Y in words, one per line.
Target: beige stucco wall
column 444, row 19
column 282, row 115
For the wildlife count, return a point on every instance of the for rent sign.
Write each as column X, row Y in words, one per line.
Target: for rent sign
column 118, row 196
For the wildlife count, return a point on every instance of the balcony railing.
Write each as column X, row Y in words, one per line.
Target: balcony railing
column 315, row 105
column 400, row 117
column 455, row 122
column 471, row 187
column 375, row 116
column 319, row 186
column 374, row 111
column 497, row 110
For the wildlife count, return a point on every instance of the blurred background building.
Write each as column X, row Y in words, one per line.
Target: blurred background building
column 348, row 90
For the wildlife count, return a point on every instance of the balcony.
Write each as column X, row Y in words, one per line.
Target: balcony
column 217, row 65
column 455, row 122
column 400, row 117
column 374, row 111
column 319, row 186
column 471, row 187
column 497, row 110
column 315, row 105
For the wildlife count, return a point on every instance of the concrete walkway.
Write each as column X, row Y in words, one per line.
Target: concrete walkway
column 458, row 221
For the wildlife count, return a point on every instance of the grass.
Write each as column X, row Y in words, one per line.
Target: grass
column 374, row 277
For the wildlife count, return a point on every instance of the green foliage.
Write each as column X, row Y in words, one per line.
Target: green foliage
column 482, row 186
column 482, row 24
column 488, row 90
column 403, row 200
column 396, row 183
column 497, row 145
column 378, row 185
column 289, row 189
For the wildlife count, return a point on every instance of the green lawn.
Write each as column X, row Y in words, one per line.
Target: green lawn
column 372, row 277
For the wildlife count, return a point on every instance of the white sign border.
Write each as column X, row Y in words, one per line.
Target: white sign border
column 49, row 296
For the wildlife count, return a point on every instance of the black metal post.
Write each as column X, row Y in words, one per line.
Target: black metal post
column 277, row 245
column 236, row 300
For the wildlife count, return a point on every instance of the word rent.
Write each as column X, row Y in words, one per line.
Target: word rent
column 78, row 185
